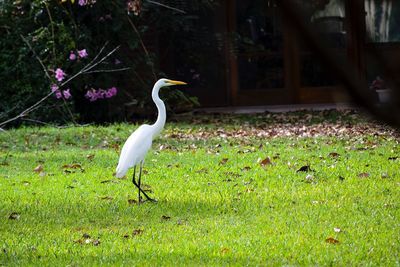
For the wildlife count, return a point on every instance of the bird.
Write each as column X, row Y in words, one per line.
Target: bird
column 138, row 144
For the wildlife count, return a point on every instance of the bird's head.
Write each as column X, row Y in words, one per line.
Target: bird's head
column 167, row 82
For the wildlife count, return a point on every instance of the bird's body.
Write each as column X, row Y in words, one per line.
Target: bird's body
column 139, row 142
column 134, row 150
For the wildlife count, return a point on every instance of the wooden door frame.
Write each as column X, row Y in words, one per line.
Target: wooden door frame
column 256, row 97
column 293, row 92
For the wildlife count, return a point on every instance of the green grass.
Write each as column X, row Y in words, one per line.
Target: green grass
column 208, row 213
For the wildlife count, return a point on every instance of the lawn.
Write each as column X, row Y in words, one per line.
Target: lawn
column 304, row 188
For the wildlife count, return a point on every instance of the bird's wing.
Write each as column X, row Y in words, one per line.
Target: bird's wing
column 134, row 149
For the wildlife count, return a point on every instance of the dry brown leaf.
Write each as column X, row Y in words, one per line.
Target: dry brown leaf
column 334, row 155
column 96, row 242
column 14, row 216
column 165, row 217
column 223, row 161
column 38, row 168
column 137, row 232
column 90, row 156
column 86, row 236
column 202, row 170
column 72, row 166
column 305, row 168
column 225, row 250
column 331, row 240
column 363, row 175
column 265, row 162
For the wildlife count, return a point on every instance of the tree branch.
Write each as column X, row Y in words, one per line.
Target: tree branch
column 166, row 6
column 143, row 46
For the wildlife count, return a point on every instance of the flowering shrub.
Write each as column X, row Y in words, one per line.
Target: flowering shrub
column 378, row 84
column 66, row 35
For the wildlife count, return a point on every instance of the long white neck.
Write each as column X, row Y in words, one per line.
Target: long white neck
column 161, row 118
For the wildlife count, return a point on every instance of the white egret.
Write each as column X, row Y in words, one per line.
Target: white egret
column 139, row 142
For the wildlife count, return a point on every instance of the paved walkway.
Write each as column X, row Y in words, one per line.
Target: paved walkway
column 277, row 108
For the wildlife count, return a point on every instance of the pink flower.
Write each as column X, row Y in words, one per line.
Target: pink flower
column 101, row 93
column 54, row 87
column 111, row 92
column 67, row 94
column 72, row 56
column 58, row 94
column 86, row 2
column 82, row 53
column 91, row 95
column 60, row 74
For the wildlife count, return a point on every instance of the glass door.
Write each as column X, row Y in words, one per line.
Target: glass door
column 259, row 57
column 328, row 19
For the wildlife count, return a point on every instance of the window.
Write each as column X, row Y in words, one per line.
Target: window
column 382, row 21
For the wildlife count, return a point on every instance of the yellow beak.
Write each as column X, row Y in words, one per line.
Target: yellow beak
column 176, row 82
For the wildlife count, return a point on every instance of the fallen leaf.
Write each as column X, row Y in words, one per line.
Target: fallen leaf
column 96, row 242
column 334, row 155
column 363, row 175
column 202, row 170
column 277, row 156
column 72, row 166
column 38, row 169
column 90, row 156
column 385, row 175
column 246, row 168
column 305, row 168
column 249, row 190
column 165, row 217
column 223, row 161
column 181, row 222
column 107, row 198
column 109, row 181
column 14, row 216
column 309, row 178
column 225, row 250
column 79, row 241
column 137, row 232
column 331, row 240
column 265, row 162
column 86, row 236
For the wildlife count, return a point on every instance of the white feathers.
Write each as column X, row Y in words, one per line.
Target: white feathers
column 134, row 149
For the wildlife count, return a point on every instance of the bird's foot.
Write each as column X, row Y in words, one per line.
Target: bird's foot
column 151, row 200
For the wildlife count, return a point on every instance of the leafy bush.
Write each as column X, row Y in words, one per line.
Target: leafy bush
column 58, row 31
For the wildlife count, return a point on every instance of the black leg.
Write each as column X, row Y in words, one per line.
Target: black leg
column 140, row 176
column 133, row 177
column 148, row 198
column 138, row 185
